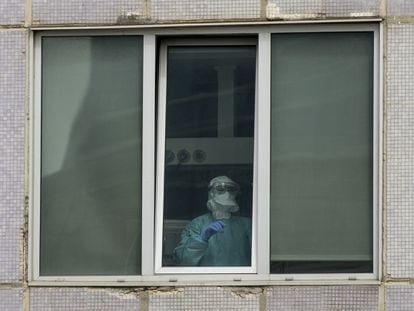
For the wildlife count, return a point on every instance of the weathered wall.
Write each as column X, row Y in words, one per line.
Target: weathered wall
column 399, row 174
column 395, row 292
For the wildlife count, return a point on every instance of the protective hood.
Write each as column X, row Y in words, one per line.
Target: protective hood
column 222, row 204
column 221, row 211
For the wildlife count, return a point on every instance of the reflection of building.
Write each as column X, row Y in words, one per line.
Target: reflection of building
column 101, row 169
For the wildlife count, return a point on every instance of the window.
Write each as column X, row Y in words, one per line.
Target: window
column 207, row 107
column 91, row 117
column 321, row 149
column 225, row 154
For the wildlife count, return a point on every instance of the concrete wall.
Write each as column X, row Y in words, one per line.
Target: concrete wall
column 395, row 292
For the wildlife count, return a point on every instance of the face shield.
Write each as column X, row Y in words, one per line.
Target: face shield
column 222, row 197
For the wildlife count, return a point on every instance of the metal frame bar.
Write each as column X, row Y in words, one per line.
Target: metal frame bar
column 35, row 126
column 214, row 24
column 262, row 148
column 263, row 127
column 148, row 153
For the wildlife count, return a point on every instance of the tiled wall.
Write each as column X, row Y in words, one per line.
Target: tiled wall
column 12, row 146
column 83, row 11
column 143, row 11
column 324, row 8
column 400, row 8
column 11, row 299
column 322, row 298
column 204, row 299
column 171, row 10
column 81, row 299
column 399, row 298
column 396, row 294
column 400, row 151
column 12, row 12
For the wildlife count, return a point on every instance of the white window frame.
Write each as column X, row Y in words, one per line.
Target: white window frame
column 152, row 274
column 162, row 98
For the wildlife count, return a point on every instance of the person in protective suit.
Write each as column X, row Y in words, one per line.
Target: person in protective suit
column 217, row 238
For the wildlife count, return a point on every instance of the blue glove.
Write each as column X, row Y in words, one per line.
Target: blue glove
column 213, row 228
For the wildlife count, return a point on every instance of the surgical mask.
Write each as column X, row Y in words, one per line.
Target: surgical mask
column 223, row 204
column 225, row 198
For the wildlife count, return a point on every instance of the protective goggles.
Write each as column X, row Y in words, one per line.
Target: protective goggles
column 221, row 188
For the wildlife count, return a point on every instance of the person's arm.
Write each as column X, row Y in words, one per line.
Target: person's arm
column 191, row 248
column 249, row 231
column 194, row 242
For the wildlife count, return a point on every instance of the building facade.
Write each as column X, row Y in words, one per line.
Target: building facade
column 31, row 70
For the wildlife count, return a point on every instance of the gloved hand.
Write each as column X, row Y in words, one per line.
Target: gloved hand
column 213, row 228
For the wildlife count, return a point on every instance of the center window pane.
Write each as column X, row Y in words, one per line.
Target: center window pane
column 209, row 155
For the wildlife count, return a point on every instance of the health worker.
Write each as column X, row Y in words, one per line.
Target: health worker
column 217, row 238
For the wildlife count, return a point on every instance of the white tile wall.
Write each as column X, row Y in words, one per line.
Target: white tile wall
column 12, row 102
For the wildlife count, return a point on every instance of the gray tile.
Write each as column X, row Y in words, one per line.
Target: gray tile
column 400, row 64
column 399, row 297
column 400, row 7
column 87, row 11
column 323, row 298
column 205, row 9
column 12, row 102
column 205, row 299
column 400, row 191
column 297, row 9
column 12, row 12
column 81, row 299
column 352, row 8
column 400, row 152
column 11, row 299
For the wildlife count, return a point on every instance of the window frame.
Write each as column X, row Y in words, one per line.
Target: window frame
column 261, row 193
column 159, row 205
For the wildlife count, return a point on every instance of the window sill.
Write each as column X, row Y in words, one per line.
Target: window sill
column 210, row 280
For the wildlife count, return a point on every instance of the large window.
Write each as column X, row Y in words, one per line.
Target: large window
column 241, row 155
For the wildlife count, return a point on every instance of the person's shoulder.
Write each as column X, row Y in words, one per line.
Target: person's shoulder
column 205, row 217
column 196, row 225
column 202, row 219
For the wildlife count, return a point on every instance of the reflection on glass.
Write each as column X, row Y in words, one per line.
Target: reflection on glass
column 209, row 156
column 91, row 156
column 321, row 153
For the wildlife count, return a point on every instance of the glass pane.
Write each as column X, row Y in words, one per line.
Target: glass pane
column 321, row 153
column 91, row 156
column 209, row 156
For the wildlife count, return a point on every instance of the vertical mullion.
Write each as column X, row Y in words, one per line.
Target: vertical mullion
column 377, row 153
column 35, row 158
column 262, row 154
column 148, row 154
column 162, row 97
